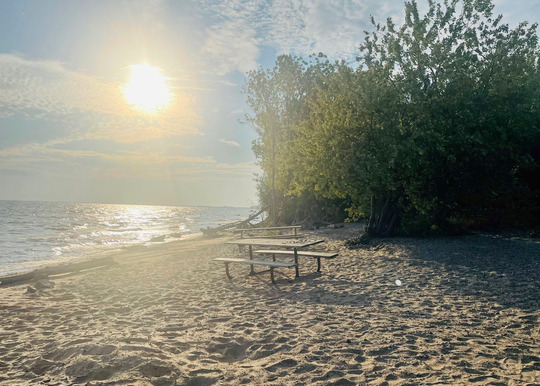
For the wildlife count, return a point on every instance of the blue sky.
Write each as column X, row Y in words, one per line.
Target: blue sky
column 68, row 134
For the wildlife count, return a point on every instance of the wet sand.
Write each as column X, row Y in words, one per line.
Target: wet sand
column 466, row 312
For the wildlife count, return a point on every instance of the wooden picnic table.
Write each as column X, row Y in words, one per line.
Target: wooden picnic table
column 295, row 245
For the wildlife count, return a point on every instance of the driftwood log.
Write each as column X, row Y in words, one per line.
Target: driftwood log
column 213, row 231
column 57, row 270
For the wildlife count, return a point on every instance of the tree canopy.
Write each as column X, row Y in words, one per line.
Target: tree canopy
column 436, row 128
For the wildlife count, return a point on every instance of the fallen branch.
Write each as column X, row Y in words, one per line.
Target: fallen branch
column 57, row 270
column 213, row 231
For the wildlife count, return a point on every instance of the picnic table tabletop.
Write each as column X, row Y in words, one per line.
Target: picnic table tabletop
column 296, row 244
column 268, row 228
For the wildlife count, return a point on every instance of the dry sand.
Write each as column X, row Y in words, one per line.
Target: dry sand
column 466, row 312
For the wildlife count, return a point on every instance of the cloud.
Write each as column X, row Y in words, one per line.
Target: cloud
column 47, row 86
column 228, row 83
column 72, row 156
column 237, row 112
column 334, row 27
column 232, row 143
column 89, row 106
column 235, row 46
column 302, row 27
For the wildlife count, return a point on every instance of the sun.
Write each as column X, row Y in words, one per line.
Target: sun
column 147, row 88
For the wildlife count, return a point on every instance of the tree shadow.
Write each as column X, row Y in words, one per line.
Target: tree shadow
column 503, row 270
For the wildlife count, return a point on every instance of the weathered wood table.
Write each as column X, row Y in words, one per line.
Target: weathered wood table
column 295, row 245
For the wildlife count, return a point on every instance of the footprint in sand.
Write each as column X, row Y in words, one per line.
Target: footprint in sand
column 285, row 363
column 230, row 351
column 155, row 369
column 200, row 381
column 81, row 369
column 305, row 368
column 42, row 366
column 234, row 352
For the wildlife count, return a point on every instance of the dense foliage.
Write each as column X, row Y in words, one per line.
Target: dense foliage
column 436, row 128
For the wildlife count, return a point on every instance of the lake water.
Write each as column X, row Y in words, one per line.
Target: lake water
column 33, row 233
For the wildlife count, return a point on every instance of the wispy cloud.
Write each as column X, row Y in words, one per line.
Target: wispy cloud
column 91, row 107
column 129, row 163
column 227, row 83
column 231, row 143
column 235, row 44
column 304, row 27
column 334, row 27
column 237, row 112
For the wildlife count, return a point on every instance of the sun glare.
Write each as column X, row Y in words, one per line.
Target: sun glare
column 147, row 89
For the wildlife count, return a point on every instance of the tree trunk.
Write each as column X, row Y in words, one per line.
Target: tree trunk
column 273, row 212
column 383, row 217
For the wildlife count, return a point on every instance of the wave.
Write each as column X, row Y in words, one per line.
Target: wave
column 37, row 232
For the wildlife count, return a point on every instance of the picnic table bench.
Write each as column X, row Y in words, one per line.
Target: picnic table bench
column 293, row 228
column 315, row 254
column 278, row 243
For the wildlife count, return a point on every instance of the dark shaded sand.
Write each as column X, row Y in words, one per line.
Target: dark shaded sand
column 466, row 313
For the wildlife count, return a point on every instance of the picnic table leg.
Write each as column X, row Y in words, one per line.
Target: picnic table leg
column 252, row 271
column 227, row 271
column 296, row 262
column 272, row 275
column 318, row 264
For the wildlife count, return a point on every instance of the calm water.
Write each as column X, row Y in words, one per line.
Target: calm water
column 34, row 233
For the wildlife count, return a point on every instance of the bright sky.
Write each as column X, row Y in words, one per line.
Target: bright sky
column 78, row 121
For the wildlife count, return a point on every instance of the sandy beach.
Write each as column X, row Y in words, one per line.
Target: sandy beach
column 466, row 312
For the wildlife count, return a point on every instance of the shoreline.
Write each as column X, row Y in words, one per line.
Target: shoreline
column 49, row 267
column 37, row 234
column 466, row 310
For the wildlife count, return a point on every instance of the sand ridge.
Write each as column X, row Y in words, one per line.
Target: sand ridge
column 466, row 312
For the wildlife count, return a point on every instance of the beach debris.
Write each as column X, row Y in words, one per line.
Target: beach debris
column 44, row 284
column 335, row 226
column 30, row 290
column 398, row 283
column 39, row 285
column 363, row 241
column 58, row 270
column 212, row 232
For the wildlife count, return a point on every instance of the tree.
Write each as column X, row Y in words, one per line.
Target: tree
column 437, row 126
column 466, row 111
column 277, row 100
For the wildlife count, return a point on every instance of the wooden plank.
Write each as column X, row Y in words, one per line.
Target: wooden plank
column 268, row 228
column 275, row 264
column 289, row 236
column 326, row 255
